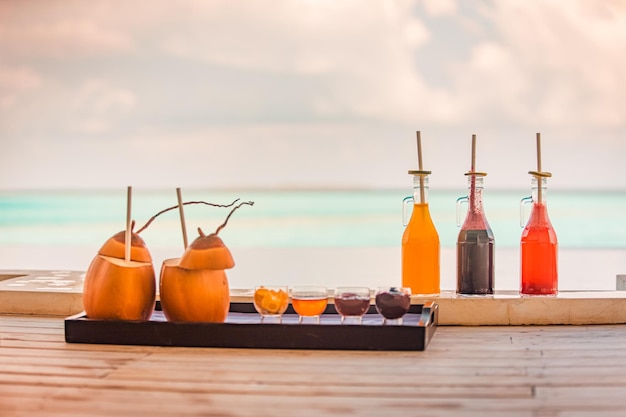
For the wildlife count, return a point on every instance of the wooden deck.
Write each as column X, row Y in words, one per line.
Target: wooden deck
column 465, row 371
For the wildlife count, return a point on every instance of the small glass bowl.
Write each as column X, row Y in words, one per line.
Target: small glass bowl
column 309, row 302
column 352, row 303
column 393, row 303
column 271, row 301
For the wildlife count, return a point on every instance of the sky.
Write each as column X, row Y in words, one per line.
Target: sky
column 310, row 93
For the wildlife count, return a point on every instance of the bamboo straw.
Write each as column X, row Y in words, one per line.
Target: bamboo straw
column 472, row 184
column 539, row 179
column 538, row 152
column 420, row 167
column 182, row 216
column 473, row 166
column 127, row 242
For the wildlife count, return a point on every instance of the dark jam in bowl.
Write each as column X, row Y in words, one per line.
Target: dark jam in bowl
column 392, row 305
column 352, row 305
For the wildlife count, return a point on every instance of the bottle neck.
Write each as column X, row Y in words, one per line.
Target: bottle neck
column 475, row 193
column 420, row 189
column 537, row 196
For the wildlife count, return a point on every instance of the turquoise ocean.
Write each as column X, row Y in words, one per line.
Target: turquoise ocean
column 286, row 220
column 298, row 218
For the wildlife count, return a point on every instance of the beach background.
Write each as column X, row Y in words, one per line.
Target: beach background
column 309, row 109
column 340, row 237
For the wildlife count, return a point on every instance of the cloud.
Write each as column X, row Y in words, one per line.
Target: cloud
column 243, row 156
column 440, row 7
column 249, row 80
column 64, row 39
column 59, row 30
column 298, row 37
column 98, row 106
column 565, row 58
column 18, row 78
column 534, row 66
column 370, row 62
column 364, row 56
column 15, row 81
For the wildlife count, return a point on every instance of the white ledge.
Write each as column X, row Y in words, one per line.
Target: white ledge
column 509, row 308
column 59, row 293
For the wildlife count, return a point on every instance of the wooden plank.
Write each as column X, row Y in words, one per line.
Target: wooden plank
column 59, row 343
column 115, row 402
column 40, row 371
column 228, row 405
column 286, row 387
column 238, row 382
column 73, row 361
column 43, row 354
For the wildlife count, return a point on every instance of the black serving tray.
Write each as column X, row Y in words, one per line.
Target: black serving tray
column 243, row 329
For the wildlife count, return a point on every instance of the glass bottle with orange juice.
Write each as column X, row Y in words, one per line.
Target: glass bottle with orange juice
column 420, row 241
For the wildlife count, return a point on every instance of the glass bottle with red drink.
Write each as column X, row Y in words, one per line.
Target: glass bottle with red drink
column 539, row 244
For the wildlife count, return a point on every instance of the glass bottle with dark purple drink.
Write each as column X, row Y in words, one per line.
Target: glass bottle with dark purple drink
column 475, row 244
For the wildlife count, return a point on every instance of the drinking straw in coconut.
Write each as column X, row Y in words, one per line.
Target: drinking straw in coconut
column 420, row 167
column 127, row 242
column 182, row 216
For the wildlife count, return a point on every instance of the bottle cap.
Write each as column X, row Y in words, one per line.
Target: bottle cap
column 543, row 174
